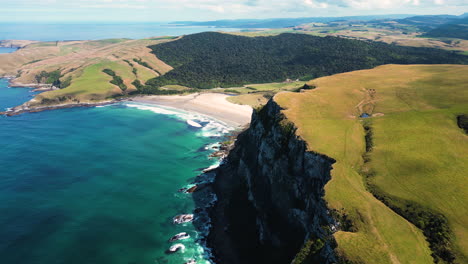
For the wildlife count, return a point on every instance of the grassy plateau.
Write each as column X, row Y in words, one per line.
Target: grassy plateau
column 414, row 159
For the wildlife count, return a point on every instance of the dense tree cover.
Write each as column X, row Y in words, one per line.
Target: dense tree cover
column 208, row 60
column 116, row 80
column 146, row 89
column 65, row 83
column 456, row 29
column 52, row 77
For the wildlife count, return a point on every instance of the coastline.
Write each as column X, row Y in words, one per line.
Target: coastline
column 205, row 191
column 18, row 110
column 213, row 105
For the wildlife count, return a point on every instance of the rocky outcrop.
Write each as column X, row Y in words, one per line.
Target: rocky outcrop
column 270, row 196
column 25, row 108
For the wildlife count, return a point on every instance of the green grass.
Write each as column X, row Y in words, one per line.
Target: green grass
column 264, row 87
column 255, row 100
column 257, row 95
column 91, row 85
column 433, row 166
column 419, row 154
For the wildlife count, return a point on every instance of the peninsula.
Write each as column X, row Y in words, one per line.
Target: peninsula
column 356, row 150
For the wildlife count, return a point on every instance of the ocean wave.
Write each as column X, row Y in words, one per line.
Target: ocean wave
column 193, row 123
column 213, row 146
column 205, row 126
column 209, row 127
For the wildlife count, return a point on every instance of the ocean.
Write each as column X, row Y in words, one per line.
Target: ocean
column 7, row 50
column 94, row 31
column 99, row 185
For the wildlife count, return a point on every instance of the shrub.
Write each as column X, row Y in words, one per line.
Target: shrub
column 116, row 80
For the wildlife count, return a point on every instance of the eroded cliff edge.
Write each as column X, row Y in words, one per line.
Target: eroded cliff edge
column 270, row 197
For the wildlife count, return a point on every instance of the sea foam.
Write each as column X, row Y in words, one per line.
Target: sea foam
column 209, row 127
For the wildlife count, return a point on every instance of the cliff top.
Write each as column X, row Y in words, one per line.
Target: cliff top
column 410, row 154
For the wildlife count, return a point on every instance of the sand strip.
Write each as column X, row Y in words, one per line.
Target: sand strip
column 210, row 104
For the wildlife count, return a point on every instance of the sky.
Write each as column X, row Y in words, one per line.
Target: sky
column 206, row 10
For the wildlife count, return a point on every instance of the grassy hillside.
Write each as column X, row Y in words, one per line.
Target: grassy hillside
column 79, row 65
column 257, row 95
column 410, row 154
column 209, row 60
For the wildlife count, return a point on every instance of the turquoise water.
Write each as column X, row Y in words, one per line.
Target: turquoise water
column 97, row 185
column 92, row 31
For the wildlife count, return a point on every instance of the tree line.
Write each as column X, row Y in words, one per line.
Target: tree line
column 208, row 60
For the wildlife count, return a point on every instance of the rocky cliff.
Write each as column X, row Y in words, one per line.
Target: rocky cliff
column 270, row 197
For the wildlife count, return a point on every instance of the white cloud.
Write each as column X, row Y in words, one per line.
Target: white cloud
column 227, row 9
column 114, row 6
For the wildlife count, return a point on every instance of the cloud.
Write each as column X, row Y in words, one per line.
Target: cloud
column 114, row 6
column 228, row 9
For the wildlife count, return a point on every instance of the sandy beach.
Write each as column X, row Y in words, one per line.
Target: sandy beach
column 210, row 104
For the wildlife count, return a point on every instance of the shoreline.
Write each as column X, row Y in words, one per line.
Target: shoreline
column 213, row 105
column 18, row 110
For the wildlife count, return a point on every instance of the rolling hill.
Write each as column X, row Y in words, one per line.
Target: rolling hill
column 453, row 29
column 208, row 60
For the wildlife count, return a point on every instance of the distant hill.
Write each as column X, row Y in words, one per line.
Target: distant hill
column 454, row 29
column 208, row 60
column 280, row 22
column 426, row 23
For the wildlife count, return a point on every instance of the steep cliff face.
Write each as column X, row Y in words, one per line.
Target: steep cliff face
column 270, row 196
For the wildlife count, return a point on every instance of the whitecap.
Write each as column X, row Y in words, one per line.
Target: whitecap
column 154, row 109
column 210, row 127
column 212, row 167
column 213, row 146
column 193, row 123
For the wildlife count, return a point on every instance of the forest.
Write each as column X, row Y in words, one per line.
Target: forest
column 208, row 60
column 456, row 29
